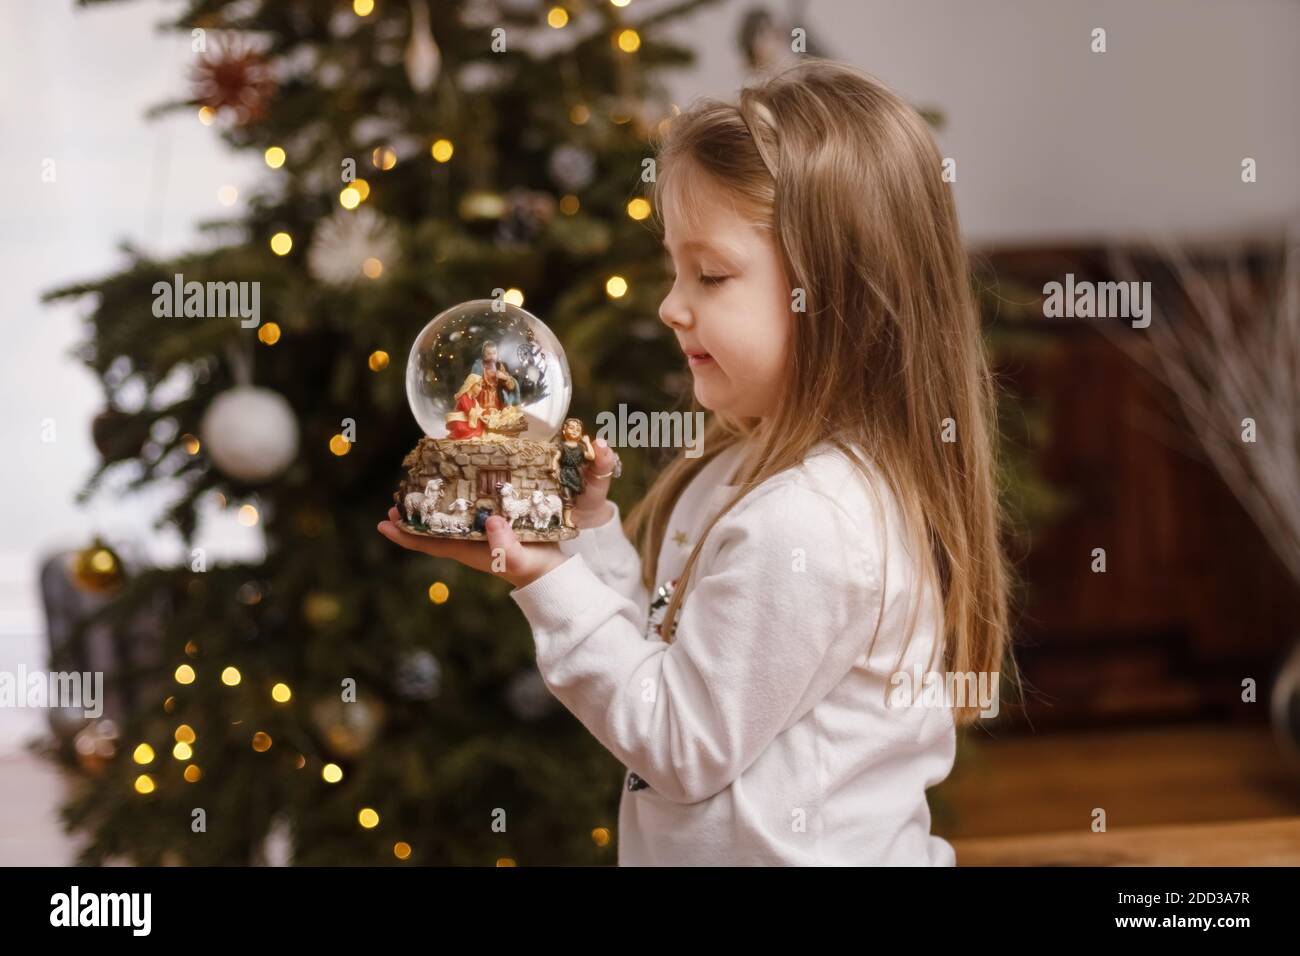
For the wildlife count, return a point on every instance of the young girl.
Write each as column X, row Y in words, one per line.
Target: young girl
column 838, row 538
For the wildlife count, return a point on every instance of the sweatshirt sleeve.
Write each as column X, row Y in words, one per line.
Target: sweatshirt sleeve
column 788, row 604
column 609, row 554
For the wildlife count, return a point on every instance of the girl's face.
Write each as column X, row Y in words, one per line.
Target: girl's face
column 729, row 305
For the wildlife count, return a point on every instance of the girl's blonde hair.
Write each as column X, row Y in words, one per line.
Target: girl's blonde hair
column 887, row 355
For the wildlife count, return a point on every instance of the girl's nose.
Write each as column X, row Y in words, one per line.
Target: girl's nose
column 672, row 310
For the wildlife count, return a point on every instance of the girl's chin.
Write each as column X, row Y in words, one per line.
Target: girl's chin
column 721, row 399
column 710, row 396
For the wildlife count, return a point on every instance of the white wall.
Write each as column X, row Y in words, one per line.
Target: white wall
column 74, row 86
column 1055, row 143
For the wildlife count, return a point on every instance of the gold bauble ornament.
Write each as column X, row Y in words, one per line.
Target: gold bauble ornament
column 97, row 568
column 347, row 728
column 95, row 746
column 321, row 608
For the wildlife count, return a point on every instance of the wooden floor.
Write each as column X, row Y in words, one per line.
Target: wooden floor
column 1248, row 843
column 1031, row 799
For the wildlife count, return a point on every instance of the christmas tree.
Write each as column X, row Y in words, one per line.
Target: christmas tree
column 345, row 699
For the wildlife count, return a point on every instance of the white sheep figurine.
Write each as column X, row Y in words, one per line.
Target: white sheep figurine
column 542, row 508
column 454, row 519
column 429, row 509
column 512, row 507
column 417, row 501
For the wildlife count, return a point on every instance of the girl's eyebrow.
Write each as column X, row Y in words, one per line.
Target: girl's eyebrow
column 701, row 245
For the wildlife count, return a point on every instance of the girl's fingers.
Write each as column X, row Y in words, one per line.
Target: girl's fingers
column 595, row 490
column 466, row 552
column 502, row 553
column 520, row 564
column 509, row 557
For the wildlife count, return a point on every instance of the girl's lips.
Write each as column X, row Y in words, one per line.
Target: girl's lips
column 698, row 358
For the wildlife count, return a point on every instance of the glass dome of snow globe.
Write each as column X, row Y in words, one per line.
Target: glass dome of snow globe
column 488, row 370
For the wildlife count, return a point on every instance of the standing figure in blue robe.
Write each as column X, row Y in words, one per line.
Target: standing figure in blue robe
column 500, row 387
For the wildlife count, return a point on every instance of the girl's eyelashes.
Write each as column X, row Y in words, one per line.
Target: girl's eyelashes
column 707, row 279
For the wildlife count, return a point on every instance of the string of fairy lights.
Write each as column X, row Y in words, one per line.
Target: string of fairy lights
column 353, row 196
column 185, row 744
column 185, row 738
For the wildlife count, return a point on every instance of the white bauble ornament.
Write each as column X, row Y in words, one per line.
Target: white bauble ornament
column 572, row 167
column 528, row 695
column 249, row 433
column 423, row 58
column 419, row 676
column 348, row 727
column 345, row 241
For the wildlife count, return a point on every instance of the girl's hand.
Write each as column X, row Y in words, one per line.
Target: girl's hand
column 591, row 508
column 502, row 553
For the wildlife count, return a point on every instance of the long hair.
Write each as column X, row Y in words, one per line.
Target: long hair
column 886, row 362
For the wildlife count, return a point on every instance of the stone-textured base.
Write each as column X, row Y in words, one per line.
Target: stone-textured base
column 471, row 469
column 530, row 535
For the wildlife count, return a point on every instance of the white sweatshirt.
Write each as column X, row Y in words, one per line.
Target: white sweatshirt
column 760, row 735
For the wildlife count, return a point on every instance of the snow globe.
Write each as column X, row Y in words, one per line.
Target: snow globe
column 489, row 385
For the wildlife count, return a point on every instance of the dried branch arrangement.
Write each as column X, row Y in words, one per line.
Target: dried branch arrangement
column 1228, row 348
